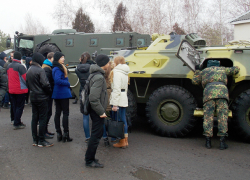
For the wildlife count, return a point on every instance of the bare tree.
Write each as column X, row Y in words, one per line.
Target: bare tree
column 33, row 26
column 239, row 7
column 178, row 30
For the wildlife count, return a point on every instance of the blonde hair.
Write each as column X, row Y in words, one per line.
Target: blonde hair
column 117, row 60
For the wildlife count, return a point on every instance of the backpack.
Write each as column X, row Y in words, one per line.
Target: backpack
column 84, row 96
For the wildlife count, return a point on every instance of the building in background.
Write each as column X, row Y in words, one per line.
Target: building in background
column 242, row 27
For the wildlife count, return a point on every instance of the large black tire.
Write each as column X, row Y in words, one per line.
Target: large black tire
column 132, row 106
column 170, row 111
column 241, row 115
column 47, row 48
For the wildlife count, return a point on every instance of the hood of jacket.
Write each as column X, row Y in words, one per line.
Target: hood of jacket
column 123, row 68
column 83, row 68
column 96, row 68
column 47, row 62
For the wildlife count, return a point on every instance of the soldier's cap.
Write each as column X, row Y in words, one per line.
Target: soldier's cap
column 213, row 63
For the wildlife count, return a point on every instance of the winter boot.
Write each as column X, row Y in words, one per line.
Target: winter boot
column 106, row 142
column 126, row 139
column 66, row 137
column 75, row 102
column 208, row 142
column 223, row 144
column 59, row 136
column 120, row 144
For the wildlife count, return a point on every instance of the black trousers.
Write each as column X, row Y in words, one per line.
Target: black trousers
column 17, row 101
column 11, row 109
column 62, row 105
column 96, row 135
column 49, row 113
column 39, row 113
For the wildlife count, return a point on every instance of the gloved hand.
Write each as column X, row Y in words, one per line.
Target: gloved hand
column 197, row 67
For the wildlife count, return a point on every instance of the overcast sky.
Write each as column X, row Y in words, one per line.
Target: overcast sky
column 13, row 12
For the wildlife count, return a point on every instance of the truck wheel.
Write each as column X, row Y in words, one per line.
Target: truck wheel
column 241, row 115
column 170, row 111
column 47, row 48
column 132, row 106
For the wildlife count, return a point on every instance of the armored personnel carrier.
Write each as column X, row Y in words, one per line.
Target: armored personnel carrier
column 72, row 44
column 160, row 82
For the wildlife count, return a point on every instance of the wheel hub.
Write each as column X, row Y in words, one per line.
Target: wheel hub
column 170, row 111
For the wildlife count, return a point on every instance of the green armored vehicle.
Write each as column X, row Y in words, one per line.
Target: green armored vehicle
column 160, row 81
column 72, row 44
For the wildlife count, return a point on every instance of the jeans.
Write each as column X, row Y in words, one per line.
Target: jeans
column 86, row 127
column 96, row 134
column 6, row 99
column 17, row 101
column 62, row 105
column 121, row 117
column 39, row 113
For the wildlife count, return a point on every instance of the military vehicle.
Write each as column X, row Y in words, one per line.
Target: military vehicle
column 72, row 44
column 160, row 82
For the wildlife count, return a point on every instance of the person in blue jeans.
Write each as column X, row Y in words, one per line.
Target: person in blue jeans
column 118, row 98
column 82, row 72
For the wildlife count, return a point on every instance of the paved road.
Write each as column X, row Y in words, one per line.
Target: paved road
column 153, row 156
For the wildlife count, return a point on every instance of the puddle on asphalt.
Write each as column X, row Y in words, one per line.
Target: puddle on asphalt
column 147, row 174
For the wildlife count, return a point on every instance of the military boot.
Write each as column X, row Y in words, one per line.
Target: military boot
column 208, row 142
column 223, row 144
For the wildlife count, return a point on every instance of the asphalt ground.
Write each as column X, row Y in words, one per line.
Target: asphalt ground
column 149, row 156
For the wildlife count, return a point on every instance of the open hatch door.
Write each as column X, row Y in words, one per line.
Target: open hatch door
column 188, row 54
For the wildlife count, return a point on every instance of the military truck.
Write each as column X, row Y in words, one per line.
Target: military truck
column 160, row 82
column 72, row 44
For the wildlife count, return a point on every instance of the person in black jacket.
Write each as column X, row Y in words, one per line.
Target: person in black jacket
column 3, row 83
column 47, row 66
column 2, row 59
column 40, row 91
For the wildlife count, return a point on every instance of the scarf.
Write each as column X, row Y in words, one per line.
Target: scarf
column 61, row 67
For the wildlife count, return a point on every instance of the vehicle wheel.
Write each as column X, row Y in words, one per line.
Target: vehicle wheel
column 132, row 106
column 47, row 48
column 170, row 111
column 241, row 115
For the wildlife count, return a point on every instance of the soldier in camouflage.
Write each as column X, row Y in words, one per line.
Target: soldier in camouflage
column 215, row 97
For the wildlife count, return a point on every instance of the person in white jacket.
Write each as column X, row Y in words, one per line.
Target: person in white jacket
column 118, row 98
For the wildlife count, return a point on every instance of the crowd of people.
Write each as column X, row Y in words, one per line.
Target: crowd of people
column 46, row 81
column 43, row 81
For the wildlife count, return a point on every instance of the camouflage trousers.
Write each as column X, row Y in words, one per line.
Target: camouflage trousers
column 221, row 107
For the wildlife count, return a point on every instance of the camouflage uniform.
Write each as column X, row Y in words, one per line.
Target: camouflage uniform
column 215, row 96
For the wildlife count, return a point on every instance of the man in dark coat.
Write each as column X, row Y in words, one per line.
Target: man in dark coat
column 215, row 97
column 98, row 98
column 40, row 91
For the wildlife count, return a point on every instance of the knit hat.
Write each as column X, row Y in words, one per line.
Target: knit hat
column 38, row 58
column 24, row 57
column 2, row 55
column 101, row 60
column 17, row 55
column 213, row 63
column 57, row 56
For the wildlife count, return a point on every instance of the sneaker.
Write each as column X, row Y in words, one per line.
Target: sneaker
column 34, row 143
column 6, row 106
column 21, row 126
column 47, row 136
column 44, row 144
column 12, row 122
column 95, row 164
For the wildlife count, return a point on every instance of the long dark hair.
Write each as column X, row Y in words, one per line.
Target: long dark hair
column 84, row 57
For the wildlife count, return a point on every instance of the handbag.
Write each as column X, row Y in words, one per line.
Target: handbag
column 114, row 127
